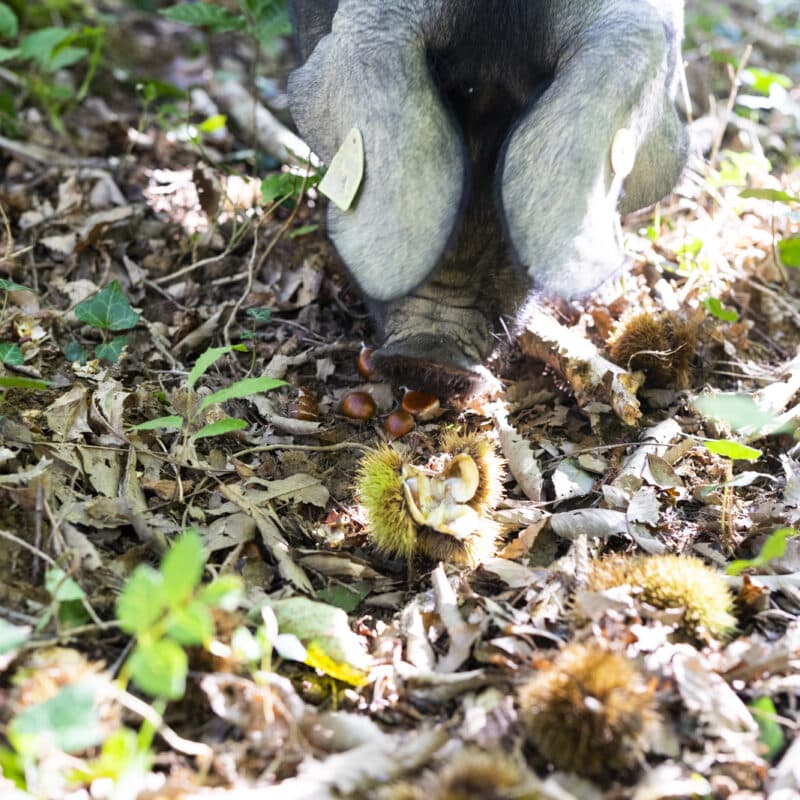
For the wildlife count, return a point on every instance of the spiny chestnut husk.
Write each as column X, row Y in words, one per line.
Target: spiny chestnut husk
column 590, row 712
column 662, row 345
column 441, row 514
column 471, row 774
column 670, row 581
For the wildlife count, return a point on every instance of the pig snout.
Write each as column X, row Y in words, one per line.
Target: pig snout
column 445, row 359
column 439, row 338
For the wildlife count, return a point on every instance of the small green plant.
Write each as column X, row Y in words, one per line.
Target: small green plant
column 236, row 391
column 40, row 54
column 718, row 310
column 770, row 732
column 264, row 20
column 10, row 353
column 167, row 610
column 108, row 311
column 788, row 248
column 774, row 547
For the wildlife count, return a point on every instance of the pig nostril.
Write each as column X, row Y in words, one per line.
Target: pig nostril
column 425, row 369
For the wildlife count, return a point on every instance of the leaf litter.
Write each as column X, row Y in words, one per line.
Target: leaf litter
column 345, row 673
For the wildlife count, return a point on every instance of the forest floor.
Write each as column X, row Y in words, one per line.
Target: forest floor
column 176, row 343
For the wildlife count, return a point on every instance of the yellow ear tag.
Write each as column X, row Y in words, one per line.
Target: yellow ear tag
column 623, row 152
column 345, row 172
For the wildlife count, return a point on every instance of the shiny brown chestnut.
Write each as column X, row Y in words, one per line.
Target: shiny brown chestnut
column 421, row 405
column 366, row 369
column 398, row 424
column 359, row 405
column 304, row 406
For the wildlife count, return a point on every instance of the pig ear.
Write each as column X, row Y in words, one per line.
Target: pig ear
column 411, row 196
column 559, row 204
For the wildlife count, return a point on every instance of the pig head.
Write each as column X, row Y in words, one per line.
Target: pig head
column 501, row 139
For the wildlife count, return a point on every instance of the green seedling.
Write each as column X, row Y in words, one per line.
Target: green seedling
column 789, row 248
column 167, row 610
column 717, row 309
column 236, row 391
column 770, row 733
column 38, row 55
column 264, row 20
column 774, row 547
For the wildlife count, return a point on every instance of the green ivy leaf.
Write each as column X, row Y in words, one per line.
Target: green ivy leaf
column 12, row 636
column 160, row 668
column 242, row 388
column 191, row 625
column 109, row 310
column 74, row 351
column 206, row 15
column 182, row 568
column 208, row 358
column 11, row 354
column 9, row 27
column 733, row 450
column 262, row 315
column 219, row 428
column 169, row 423
column 111, row 351
column 348, row 597
column 68, row 721
column 141, row 603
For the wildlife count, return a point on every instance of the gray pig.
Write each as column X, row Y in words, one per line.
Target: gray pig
column 501, row 138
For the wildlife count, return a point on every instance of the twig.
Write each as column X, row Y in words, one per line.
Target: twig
column 736, row 78
column 147, row 712
column 315, row 448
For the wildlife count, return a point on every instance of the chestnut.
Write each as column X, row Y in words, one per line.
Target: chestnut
column 398, row 424
column 366, row 369
column 359, row 405
column 304, row 406
column 421, row 405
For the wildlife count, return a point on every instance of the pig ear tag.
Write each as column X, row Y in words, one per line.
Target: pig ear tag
column 345, row 172
column 623, row 152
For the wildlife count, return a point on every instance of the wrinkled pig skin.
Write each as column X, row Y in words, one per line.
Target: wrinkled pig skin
column 488, row 128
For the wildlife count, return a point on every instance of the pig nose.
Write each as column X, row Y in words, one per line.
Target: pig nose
column 435, row 364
